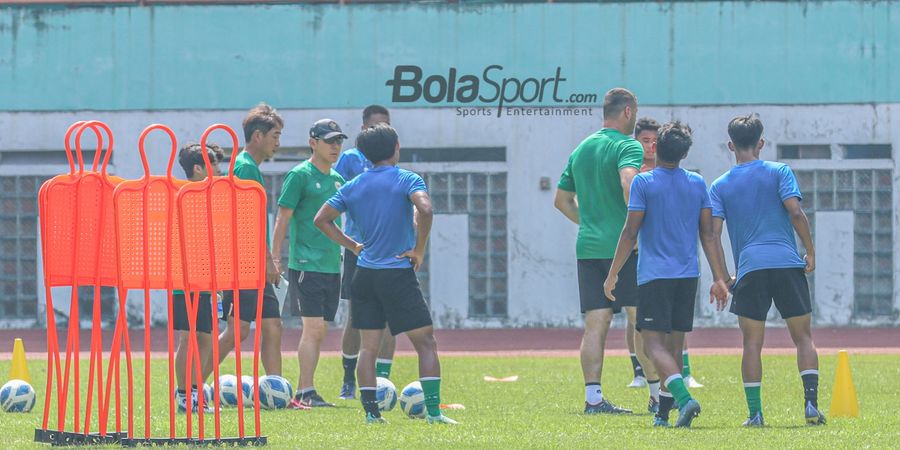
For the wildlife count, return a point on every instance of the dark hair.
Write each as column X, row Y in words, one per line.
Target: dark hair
column 616, row 100
column 673, row 141
column 645, row 124
column 745, row 131
column 190, row 156
column 263, row 118
column 377, row 142
column 371, row 110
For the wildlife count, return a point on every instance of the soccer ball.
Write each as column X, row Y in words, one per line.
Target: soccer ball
column 412, row 400
column 228, row 390
column 274, row 392
column 385, row 394
column 17, row 396
column 208, row 394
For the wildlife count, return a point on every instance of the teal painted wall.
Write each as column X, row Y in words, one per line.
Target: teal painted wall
column 332, row 56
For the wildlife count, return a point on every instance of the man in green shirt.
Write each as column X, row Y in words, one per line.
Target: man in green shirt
column 599, row 173
column 262, row 134
column 314, row 268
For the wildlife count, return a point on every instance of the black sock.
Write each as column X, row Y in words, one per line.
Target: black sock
column 665, row 405
column 638, row 370
column 810, row 387
column 181, row 391
column 370, row 404
column 349, row 369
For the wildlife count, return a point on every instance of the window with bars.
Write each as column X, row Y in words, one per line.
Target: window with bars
column 19, row 247
column 869, row 194
column 483, row 197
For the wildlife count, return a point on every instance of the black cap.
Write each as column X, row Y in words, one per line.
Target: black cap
column 325, row 129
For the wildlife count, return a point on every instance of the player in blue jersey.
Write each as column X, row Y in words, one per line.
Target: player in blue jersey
column 350, row 164
column 668, row 208
column 760, row 202
column 385, row 289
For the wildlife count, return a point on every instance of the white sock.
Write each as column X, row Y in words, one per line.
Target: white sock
column 654, row 390
column 592, row 394
column 672, row 378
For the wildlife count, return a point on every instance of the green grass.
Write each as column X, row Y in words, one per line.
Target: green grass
column 543, row 409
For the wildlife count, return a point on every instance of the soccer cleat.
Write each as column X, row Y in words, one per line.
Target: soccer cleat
column 755, row 421
column 813, row 415
column 638, row 382
column 687, row 414
column 660, row 422
column 653, row 406
column 181, row 401
column 298, row 405
column 604, row 407
column 371, row 419
column 440, row 419
column 692, row 383
column 315, row 401
column 348, row 391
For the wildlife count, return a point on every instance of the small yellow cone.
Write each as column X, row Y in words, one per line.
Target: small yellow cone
column 19, row 365
column 843, row 397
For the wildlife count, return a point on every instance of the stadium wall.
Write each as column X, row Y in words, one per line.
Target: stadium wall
column 703, row 63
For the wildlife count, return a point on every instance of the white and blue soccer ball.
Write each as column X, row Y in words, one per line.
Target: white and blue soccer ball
column 228, row 390
column 17, row 396
column 274, row 392
column 385, row 394
column 412, row 400
column 208, row 394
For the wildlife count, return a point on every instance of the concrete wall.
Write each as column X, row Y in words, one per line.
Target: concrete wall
column 817, row 72
column 542, row 282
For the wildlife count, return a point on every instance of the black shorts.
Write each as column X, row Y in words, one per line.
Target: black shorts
column 591, row 276
column 388, row 295
column 270, row 309
column 756, row 290
column 666, row 305
column 316, row 292
column 349, row 269
column 204, row 313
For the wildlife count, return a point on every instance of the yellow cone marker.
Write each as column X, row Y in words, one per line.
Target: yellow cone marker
column 843, row 397
column 19, row 365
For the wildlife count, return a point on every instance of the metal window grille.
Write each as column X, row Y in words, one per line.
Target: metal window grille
column 483, row 197
column 869, row 194
column 19, row 248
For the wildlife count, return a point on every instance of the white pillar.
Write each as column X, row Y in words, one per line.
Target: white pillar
column 834, row 264
column 448, row 269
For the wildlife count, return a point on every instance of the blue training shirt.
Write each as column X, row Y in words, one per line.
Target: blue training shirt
column 750, row 197
column 378, row 201
column 349, row 165
column 671, row 200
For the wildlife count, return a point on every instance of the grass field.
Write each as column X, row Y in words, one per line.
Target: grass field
column 543, row 408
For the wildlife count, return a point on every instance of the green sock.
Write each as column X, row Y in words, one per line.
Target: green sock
column 431, row 387
column 675, row 385
column 383, row 367
column 754, row 400
column 686, row 370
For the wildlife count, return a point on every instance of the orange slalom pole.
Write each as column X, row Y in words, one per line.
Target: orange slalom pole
column 171, row 332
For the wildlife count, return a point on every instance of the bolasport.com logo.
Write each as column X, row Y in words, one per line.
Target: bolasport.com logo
column 504, row 95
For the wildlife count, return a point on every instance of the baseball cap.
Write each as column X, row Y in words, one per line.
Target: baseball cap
column 325, row 129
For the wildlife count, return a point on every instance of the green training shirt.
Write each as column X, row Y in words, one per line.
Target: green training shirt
column 245, row 168
column 593, row 175
column 305, row 190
